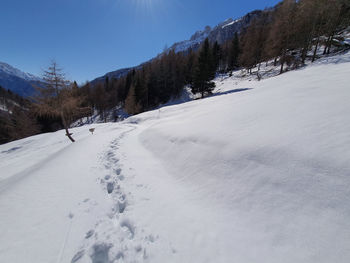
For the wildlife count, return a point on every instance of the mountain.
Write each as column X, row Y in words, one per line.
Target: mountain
column 16, row 80
column 113, row 74
column 221, row 33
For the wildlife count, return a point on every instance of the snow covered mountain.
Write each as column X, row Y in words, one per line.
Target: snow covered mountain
column 220, row 33
column 16, row 80
column 258, row 172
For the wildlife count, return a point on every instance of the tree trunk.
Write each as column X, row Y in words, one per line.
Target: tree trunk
column 326, row 46
column 282, row 64
column 330, row 44
column 282, row 58
column 275, row 62
column 69, row 135
column 303, row 55
column 316, row 47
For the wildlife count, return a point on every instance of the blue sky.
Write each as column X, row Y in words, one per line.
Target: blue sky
column 91, row 37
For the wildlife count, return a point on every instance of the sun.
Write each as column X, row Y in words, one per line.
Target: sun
column 146, row 7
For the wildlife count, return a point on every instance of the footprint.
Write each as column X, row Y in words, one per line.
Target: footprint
column 110, row 154
column 89, row 233
column 128, row 227
column 121, row 206
column 100, row 253
column 121, row 177
column 78, row 256
column 138, row 248
column 110, row 187
column 107, row 177
column 118, row 171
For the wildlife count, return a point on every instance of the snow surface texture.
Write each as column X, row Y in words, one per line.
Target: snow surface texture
column 259, row 172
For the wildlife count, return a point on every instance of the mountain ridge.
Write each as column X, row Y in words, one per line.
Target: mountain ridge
column 17, row 81
column 221, row 33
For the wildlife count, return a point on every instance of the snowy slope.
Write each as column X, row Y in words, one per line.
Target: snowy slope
column 257, row 173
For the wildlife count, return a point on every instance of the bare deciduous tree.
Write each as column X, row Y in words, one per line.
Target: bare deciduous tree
column 57, row 98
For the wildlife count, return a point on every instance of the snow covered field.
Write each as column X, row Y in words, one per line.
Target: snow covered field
column 259, row 172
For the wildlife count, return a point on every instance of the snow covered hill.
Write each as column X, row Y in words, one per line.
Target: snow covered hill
column 259, row 172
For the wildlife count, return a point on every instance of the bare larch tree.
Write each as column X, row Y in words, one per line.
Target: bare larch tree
column 57, row 97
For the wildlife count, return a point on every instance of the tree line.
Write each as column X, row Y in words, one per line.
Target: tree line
column 16, row 119
column 292, row 30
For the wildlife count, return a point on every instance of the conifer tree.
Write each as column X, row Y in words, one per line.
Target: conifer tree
column 234, row 52
column 131, row 104
column 216, row 56
column 204, row 72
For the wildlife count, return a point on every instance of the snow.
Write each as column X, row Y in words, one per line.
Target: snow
column 3, row 107
column 6, row 105
column 8, row 69
column 231, row 23
column 187, row 44
column 259, row 172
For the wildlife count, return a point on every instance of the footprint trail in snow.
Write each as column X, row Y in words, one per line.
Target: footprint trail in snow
column 115, row 238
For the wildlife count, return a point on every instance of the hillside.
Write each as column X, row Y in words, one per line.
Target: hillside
column 258, row 172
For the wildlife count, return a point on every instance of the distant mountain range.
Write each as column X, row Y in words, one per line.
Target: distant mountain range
column 221, row 33
column 17, row 81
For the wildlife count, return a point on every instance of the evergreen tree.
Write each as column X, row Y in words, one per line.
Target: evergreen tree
column 233, row 53
column 131, row 105
column 204, row 72
column 216, row 56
